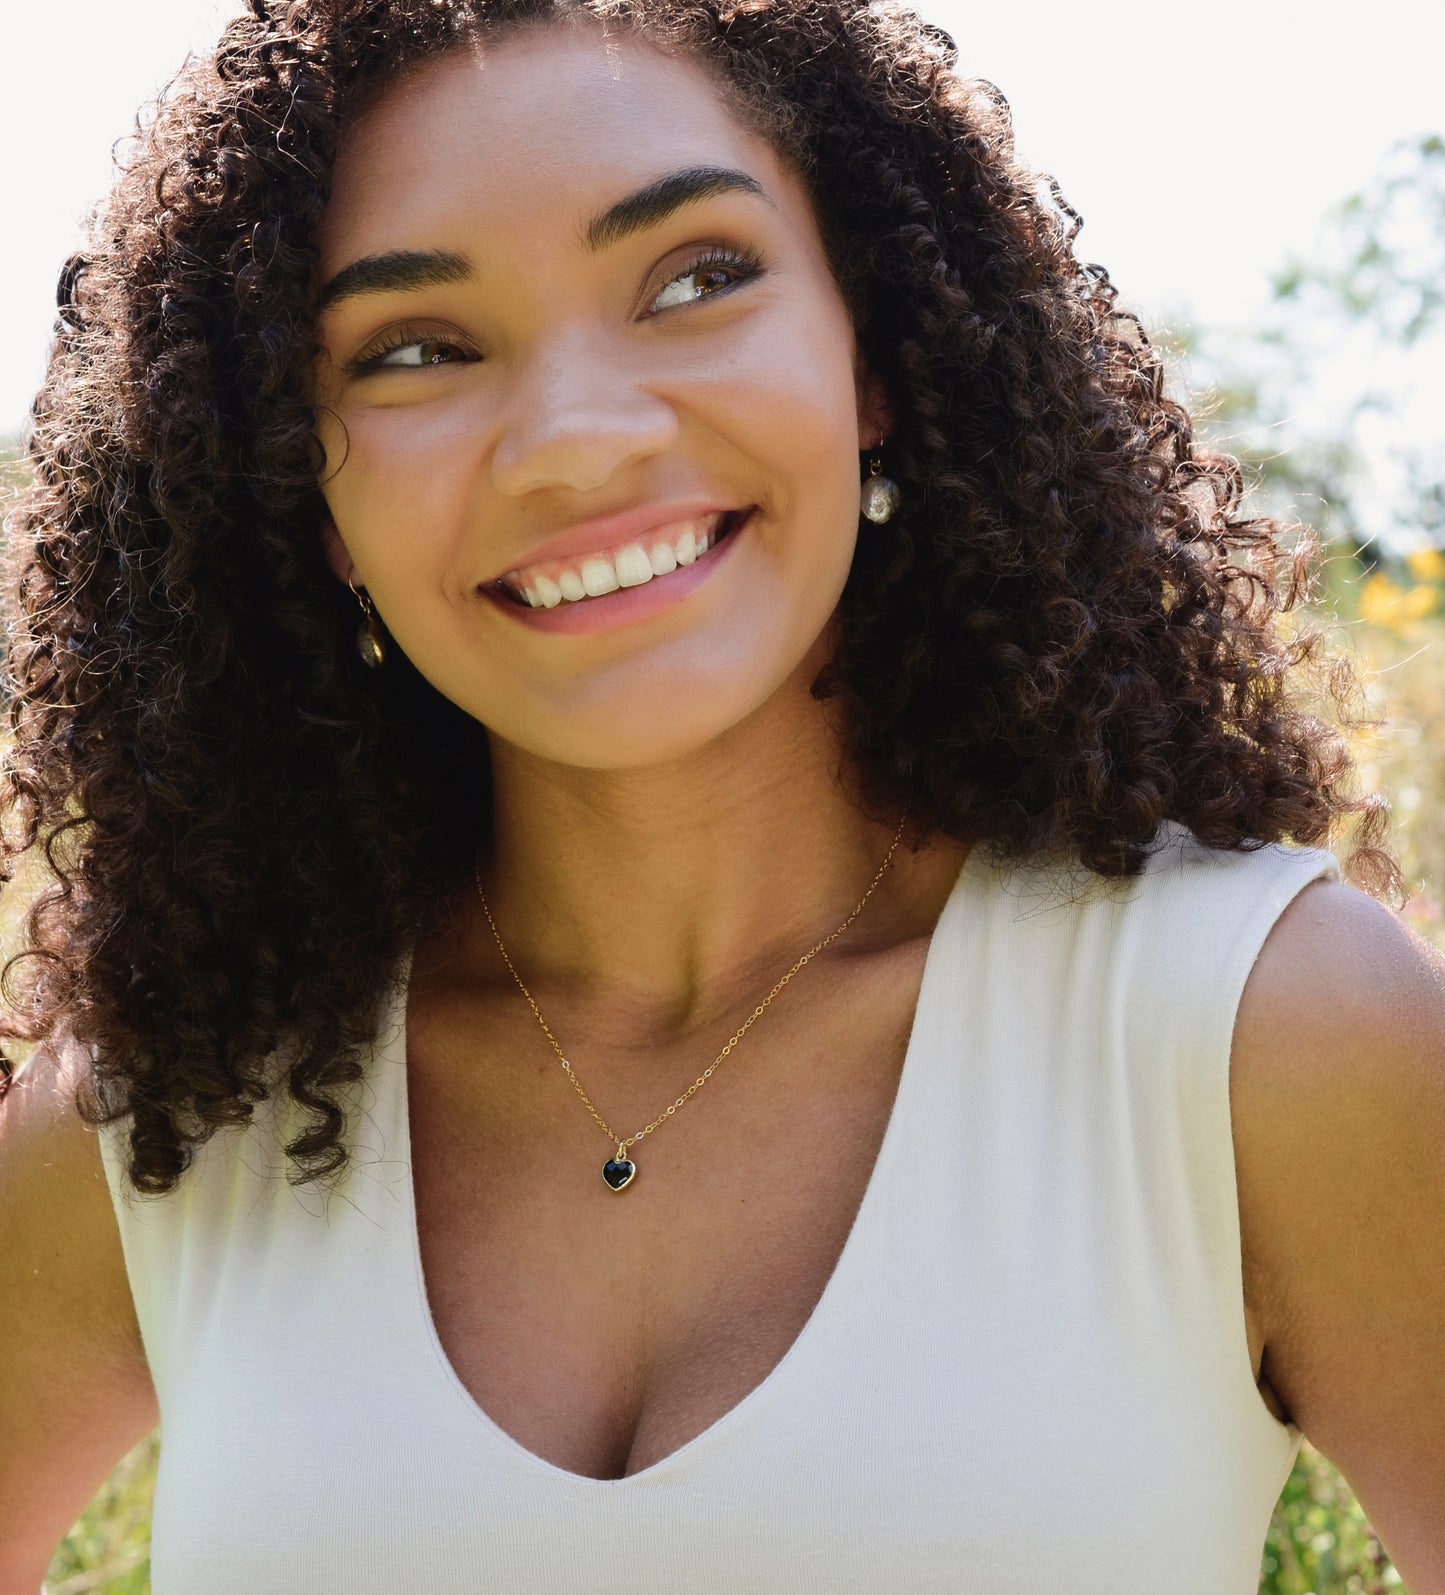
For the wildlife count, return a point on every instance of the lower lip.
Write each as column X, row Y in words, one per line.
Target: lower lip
column 628, row 604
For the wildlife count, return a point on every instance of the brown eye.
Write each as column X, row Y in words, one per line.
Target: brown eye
column 706, row 277
column 411, row 349
column 419, row 352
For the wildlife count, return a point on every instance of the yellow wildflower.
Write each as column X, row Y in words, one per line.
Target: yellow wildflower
column 1385, row 603
column 1426, row 564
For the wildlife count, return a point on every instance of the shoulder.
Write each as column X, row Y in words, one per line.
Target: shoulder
column 1338, row 1087
column 1344, row 1007
column 1338, row 974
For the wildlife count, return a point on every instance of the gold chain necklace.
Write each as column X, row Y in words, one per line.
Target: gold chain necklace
column 620, row 1171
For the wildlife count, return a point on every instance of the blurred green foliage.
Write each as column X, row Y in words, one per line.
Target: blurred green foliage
column 1319, row 1540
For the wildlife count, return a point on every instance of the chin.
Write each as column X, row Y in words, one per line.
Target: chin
column 651, row 726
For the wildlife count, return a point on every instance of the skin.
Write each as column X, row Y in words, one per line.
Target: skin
column 672, row 829
column 1337, row 1089
column 668, row 825
column 671, row 825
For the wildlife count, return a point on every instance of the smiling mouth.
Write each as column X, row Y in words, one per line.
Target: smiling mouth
column 593, row 576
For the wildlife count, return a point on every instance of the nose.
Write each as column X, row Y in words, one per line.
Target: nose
column 575, row 418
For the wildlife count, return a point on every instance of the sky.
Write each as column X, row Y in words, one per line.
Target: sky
column 1202, row 145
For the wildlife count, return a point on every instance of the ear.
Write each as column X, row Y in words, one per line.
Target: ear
column 875, row 408
column 336, row 555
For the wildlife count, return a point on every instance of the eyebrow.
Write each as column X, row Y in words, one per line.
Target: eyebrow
column 656, row 201
column 402, row 270
column 395, row 272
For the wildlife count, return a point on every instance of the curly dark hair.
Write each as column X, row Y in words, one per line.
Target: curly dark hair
column 1070, row 636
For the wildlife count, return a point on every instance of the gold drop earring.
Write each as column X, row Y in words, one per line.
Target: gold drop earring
column 370, row 638
column 880, row 493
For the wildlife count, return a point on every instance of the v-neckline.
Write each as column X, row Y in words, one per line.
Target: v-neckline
column 826, row 1304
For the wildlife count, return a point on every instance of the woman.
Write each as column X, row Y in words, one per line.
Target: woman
column 445, row 606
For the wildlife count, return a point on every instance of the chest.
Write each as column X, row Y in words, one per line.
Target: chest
column 603, row 1330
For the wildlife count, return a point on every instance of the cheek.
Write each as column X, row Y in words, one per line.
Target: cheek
column 803, row 427
column 400, row 495
column 794, row 370
column 783, row 397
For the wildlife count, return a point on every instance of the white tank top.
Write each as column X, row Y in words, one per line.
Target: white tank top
column 1028, row 1372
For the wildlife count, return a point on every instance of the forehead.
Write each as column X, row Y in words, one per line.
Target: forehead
column 546, row 123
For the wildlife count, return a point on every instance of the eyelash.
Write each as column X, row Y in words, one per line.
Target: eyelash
column 747, row 262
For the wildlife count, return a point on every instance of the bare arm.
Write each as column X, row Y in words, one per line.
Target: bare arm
column 75, row 1394
column 1338, row 1079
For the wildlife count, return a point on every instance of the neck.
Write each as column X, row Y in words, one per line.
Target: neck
column 662, row 897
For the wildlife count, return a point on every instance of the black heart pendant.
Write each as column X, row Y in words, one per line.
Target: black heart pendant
column 618, row 1172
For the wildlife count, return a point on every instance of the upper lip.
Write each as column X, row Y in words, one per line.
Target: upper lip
column 604, row 533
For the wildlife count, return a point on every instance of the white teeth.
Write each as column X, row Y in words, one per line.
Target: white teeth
column 632, row 565
column 598, row 577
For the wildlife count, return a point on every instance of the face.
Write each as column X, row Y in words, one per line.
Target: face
column 577, row 314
